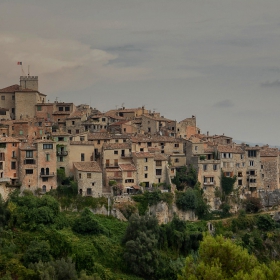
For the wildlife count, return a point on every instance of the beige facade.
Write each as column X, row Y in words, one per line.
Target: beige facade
column 89, row 178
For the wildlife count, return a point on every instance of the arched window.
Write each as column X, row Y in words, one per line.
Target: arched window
column 47, row 171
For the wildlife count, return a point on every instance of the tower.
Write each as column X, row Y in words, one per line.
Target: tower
column 29, row 82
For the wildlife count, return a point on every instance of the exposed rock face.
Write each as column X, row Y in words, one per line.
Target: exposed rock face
column 165, row 214
column 270, row 198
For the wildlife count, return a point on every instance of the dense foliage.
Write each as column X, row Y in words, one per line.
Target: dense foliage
column 185, row 176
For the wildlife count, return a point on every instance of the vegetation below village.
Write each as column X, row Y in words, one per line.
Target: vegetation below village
column 56, row 236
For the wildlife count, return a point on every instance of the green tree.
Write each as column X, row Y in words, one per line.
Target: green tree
column 141, row 255
column 187, row 200
column 87, row 224
column 37, row 251
column 227, row 183
column 265, row 223
column 220, row 258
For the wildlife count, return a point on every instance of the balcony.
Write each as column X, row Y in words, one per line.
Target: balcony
column 61, row 153
column 5, row 179
column 209, row 183
column 45, row 175
column 128, row 155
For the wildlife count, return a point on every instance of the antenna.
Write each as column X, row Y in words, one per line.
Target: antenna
column 28, row 70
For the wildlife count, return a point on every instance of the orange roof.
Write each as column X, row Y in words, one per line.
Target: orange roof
column 12, row 88
column 91, row 166
column 143, row 154
column 127, row 167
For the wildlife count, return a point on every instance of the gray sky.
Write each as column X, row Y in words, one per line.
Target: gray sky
column 216, row 59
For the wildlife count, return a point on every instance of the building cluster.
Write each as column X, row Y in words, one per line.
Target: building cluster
column 119, row 151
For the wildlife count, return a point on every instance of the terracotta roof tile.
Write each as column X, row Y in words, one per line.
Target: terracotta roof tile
column 127, row 167
column 12, row 88
column 91, row 166
column 8, row 140
column 143, row 154
column 113, row 146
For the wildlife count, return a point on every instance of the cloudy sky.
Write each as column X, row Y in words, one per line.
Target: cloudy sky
column 216, row 59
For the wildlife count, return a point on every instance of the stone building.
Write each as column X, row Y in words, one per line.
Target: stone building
column 89, row 178
column 9, row 174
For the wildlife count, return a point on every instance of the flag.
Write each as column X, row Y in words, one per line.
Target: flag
column 19, row 63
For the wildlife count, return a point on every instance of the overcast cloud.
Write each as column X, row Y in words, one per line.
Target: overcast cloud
column 216, row 59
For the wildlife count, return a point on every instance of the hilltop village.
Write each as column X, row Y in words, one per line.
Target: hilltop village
column 122, row 151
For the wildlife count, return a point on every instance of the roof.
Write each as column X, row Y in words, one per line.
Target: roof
column 8, row 140
column 60, row 133
column 230, row 149
column 98, row 136
column 153, row 138
column 143, row 154
column 91, row 166
column 11, row 89
column 113, row 146
column 119, row 123
column 127, row 167
column 160, row 157
column 81, row 143
column 27, row 146
column 269, row 152
column 157, row 118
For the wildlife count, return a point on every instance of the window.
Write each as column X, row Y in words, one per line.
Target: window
column 176, row 160
column 77, row 131
column 251, row 163
column 92, row 184
column 29, row 154
column 13, row 165
column 80, row 175
column 116, row 162
column 88, row 175
column 14, row 154
column 141, row 149
column 158, row 163
column 176, row 145
column 73, row 122
column 98, row 141
column 69, row 131
column 146, row 168
column 45, row 179
column 103, row 119
column 44, row 189
column 215, row 167
column 82, row 138
column 117, row 141
column 146, row 160
column 89, row 192
column 39, row 108
column 20, row 132
column 146, row 175
column 107, row 162
column 82, row 157
column 28, row 171
column 13, row 97
column 60, row 109
column 60, row 138
column 61, row 159
column 240, row 182
column 47, row 157
column 29, row 161
column 195, row 148
column 2, row 97
column 237, row 165
column 67, row 109
column 115, row 152
column 252, row 153
column 47, row 146
column 1, row 165
column 129, row 181
column 158, row 172
column 204, row 167
column 2, row 156
column 261, row 166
